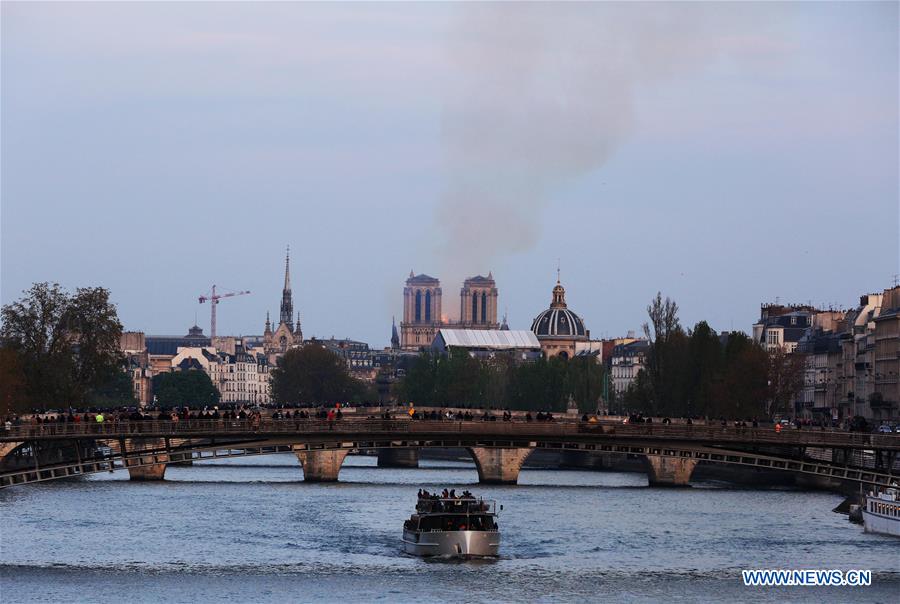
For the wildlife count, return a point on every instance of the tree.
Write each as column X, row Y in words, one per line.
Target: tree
column 65, row 344
column 705, row 368
column 95, row 331
column 785, row 380
column 638, row 397
column 117, row 391
column 459, row 379
column 584, row 382
column 742, row 391
column 313, row 374
column 665, row 357
column 13, row 384
column 418, row 385
column 191, row 388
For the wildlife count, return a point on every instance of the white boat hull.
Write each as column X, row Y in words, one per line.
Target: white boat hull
column 883, row 525
column 463, row 544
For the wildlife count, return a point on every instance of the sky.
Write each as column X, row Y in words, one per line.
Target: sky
column 725, row 154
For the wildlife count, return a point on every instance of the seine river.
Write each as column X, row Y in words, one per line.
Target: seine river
column 250, row 530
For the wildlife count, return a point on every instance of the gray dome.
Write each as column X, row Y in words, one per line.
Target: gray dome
column 558, row 320
column 555, row 322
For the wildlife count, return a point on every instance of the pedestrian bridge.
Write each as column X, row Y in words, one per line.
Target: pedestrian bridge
column 45, row 452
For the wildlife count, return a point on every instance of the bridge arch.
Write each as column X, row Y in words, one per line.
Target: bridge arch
column 498, row 448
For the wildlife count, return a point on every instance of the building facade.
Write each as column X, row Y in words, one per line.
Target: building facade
column 822, row 394
column 885, row 397
column 241, row 378
column 852, row 358
column 783, row 326
column 560, row 331
column 287, row 334
column 357, row 355
column 625, row 362
column 133, row 346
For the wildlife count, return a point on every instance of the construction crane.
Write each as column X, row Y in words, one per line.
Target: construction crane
column 213, row 300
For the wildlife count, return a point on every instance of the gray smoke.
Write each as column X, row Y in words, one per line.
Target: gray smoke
column 544, row 93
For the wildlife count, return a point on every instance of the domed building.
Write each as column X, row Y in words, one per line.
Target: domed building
column 558, row 329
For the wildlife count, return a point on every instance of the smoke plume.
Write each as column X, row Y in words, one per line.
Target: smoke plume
column 541, row 94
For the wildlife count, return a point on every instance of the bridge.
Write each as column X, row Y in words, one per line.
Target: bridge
column 34, row 453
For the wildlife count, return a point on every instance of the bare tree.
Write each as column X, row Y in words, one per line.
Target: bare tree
column 785, row 380
column 663, row 319
column 659, row 331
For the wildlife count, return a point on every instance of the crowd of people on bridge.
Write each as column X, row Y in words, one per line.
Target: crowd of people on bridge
column 257, row 416
column 466, row 416
column 638, row 418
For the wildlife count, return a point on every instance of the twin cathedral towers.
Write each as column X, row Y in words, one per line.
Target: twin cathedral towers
column 423, row 317
column 422, row 313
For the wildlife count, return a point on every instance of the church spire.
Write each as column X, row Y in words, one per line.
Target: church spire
column 287, row 301
column 287, row 269
column 395, row 337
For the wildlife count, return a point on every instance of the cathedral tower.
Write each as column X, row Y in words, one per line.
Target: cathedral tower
column 421, row 311
column 478, row 303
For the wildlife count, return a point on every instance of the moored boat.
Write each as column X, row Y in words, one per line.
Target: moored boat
column 464, row 527
column 881, row 513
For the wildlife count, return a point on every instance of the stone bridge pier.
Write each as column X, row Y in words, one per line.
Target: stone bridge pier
column 398, row 458
column 665, row 471
column 499, row 465
column 7, row 458
column 321, row 466
column 7, row 448
column 149, row 467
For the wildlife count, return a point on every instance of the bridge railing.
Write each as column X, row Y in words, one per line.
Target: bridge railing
column 400, row 427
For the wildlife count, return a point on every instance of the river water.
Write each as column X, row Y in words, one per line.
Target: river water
column 249, row 530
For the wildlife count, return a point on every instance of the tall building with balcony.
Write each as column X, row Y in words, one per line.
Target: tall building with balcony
column 885, row 397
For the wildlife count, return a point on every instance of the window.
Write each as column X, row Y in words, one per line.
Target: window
column 418, row 305
column 483, row 307
column 428, row 306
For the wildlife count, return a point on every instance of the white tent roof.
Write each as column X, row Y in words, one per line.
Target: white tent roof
column 496, row 339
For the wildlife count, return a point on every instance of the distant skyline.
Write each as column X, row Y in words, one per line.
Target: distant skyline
column 725, row 154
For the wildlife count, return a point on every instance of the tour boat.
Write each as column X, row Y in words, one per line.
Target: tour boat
column 881, row 513
column 453, row 527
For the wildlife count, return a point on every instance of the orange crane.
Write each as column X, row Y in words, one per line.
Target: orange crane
column 213, row 300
